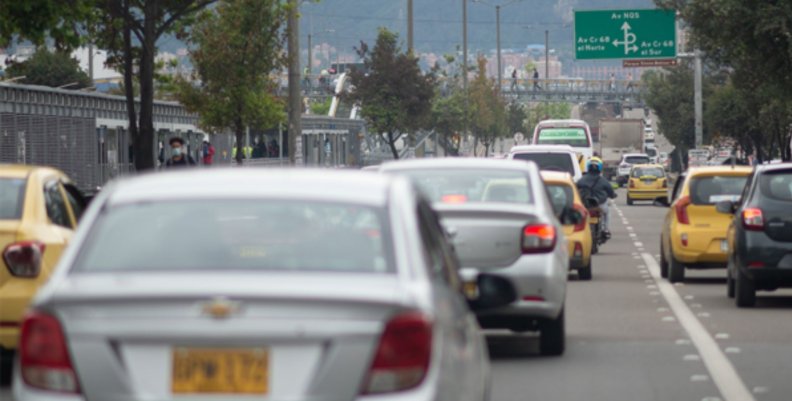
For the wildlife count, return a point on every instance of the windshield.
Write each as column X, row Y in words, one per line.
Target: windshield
column 575, row 137
column 636, row 160
column 711, row 190
column 652, row 152
column 777, row 185
column 282, row 235
column 472, row 186
column 654, row 172
column 12, row 193
column 550, row 161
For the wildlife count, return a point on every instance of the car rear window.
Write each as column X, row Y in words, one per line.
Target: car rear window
column 713, row 189
column 12, row 194
column 261, row 235
column 656, row 172
column 636, row 160
column 472, row 186
column 777, row 185
column 549, row 161
column 561, row 197
column 575, row 137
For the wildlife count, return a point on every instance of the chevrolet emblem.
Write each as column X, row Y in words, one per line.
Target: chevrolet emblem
column 220, row 308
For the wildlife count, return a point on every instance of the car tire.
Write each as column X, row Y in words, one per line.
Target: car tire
column 745, row 290
column 629, row 201
column 663, row 262
column 676, row 271
column 584, row 273
column 594, row 240
column 552, row 336
column 730, row 290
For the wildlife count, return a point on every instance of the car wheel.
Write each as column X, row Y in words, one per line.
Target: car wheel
column 676, row 271
column 663, row 262
column 745, row 290
column 594, row 240
column 730, row 280
column 629, row 201
column 6, row 368
column 584, row 273
column 552, row 335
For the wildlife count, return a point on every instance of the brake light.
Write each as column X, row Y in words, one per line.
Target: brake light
column 632, row 183
column 681, row 210
column 402, row 358
column 43, row 357
column 665, row 183
column 538, row 238
column 756, row 265
column 578, row 252
column 753, row 219
column 24, row 258
column 581, row 225
column 454, row 199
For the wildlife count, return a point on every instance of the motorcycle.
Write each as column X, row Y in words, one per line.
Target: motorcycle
column 598, row 235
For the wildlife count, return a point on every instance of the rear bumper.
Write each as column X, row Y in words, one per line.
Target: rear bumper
column 637, row 194
column 702, row 251
column 775, row 256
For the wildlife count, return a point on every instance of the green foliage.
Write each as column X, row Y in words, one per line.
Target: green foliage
column 448, row 118
column 50, row 69
column 395, row 96
column 39, row 20
column 487, row 109
column 322, row 108
column 517, row 118
column 237, row 45
column 547, row 111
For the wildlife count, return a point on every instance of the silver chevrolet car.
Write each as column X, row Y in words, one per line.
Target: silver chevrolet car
column 502, row 222
column 258, row 285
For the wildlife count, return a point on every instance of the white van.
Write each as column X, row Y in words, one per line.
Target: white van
column 575, row 133
column 549, row 157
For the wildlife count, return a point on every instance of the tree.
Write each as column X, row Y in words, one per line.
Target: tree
column 517, row 119
column 237, row 46
column 50, row 69
column 448, row 118
column 39, row 20
column 546, row 111
column 395, row 96
column 487, row 109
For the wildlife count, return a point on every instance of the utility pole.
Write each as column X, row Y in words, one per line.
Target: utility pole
column 91, row 62
column 547, row 55
column 465, row 70
column 697, row 98
column 498, row 38
column 295, row 101
column 310, row 54
column 410, row 27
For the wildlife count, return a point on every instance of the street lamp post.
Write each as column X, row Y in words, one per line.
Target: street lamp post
column 498, row 36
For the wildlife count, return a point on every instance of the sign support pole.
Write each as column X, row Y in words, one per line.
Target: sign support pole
column 697, row 98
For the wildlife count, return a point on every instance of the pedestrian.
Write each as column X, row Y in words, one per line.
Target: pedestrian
column 612, row 82
column 179, row 155
column 629, row 81
column 208, row 152
column 514, row 80
column 536, row 79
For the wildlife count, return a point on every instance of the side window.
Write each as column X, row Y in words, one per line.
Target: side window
column 55, row 204
column 678, row 186
column 437, row 255
column 76, row 200
column 747, row 189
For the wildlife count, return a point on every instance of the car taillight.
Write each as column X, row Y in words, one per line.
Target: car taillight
column 43, row 357
column 684, row 239
column 578, row 252
column 454, row 198
column 538, row 238
column 403, row 354
column 581, row 225
column 632, row 183
column 753, row 219
column 665, row 183
column 681, row 210
column 24, row 258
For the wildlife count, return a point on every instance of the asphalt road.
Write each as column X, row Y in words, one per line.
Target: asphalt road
column 633, row 336
column 627, row 342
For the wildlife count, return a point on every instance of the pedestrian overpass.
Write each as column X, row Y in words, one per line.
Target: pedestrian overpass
column 628, row 93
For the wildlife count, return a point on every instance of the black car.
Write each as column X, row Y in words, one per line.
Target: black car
column 760, row 236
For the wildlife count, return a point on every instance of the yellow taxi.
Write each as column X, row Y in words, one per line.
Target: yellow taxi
column 647, row 182
column 564, row 196
column 39, row 210
column 694, row 233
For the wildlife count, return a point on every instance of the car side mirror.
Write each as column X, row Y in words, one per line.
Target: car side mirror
column 492, row 292
column 725, row 207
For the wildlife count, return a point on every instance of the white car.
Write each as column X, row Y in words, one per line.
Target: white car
column 502, row 223
column 551, row 158
column 257, row 284
column 626, row 163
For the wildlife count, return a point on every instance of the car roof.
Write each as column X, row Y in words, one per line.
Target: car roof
column 706, row 170
column 634, row 154
column 542, row 149
column 562, row 121
column 456, row 162
column 774, row 167
column 245, row 183
column 556, row 177
column 24, row 170
column 652, row 165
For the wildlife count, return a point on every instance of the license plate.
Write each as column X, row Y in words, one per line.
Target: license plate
column 724, row 245
column 220, row 371
column 648, row 182
column 471, row 290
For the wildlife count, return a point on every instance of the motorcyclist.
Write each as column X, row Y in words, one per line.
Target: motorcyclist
column 593, row 185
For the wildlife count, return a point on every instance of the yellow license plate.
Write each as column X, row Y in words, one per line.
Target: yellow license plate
column 220, row 371
column 471, row 290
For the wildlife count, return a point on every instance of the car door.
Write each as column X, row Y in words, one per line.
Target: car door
column 464, row 368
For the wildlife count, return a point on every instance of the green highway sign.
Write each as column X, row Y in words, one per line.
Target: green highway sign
column 625, row 34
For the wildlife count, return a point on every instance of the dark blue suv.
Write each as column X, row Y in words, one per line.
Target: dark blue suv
column 760, row 235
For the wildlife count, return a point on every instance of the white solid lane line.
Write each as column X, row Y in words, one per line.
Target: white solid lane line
column 720, row 368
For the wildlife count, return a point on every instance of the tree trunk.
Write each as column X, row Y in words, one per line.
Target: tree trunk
column 486, row 149
column 475, row 146
column 392, row 143
column 239, row 132
column 129, row 84
column 144, row 145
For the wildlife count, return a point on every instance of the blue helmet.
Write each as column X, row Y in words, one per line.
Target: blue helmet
column 594, row 165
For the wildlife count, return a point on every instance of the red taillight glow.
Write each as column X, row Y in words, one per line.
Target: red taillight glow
column 533, row 298
column 632, row 183
column 665, row 183
column 681, row 210
column 578, row 252
column 756, row 265
column 43, row 357
column 684, row 239
column 581, row 225
column 454, row 199
column 24, row 258
column 538, row 238
column 753, row 219
column 403, row 354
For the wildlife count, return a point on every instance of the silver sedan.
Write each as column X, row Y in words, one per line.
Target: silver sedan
column 502, row 223
column 257, row 285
